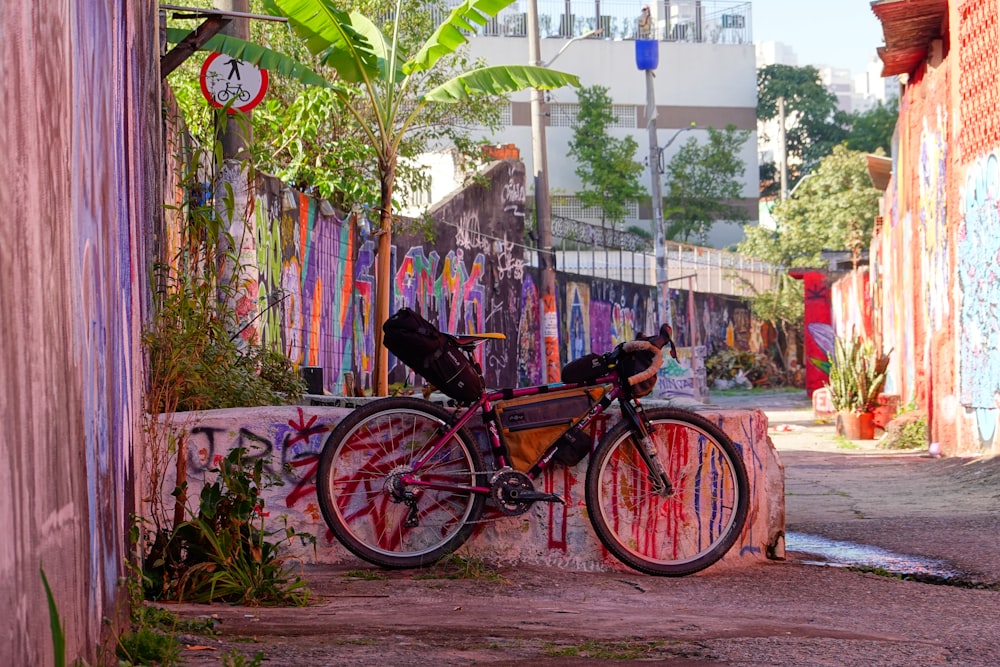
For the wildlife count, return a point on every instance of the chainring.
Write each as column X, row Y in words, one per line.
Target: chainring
column 507, row 485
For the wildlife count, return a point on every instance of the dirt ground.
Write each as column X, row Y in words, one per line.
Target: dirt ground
column 790, row 612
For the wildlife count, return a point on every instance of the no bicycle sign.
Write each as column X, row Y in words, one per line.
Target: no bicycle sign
column 238, row 83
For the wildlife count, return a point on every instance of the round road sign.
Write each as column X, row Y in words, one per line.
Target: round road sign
column 238, row 83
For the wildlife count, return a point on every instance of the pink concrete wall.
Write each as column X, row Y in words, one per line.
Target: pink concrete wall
column 290, row 439
column 79, row 137
column 934, row 258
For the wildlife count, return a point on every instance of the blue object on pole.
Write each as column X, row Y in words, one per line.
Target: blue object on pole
column 647, row 53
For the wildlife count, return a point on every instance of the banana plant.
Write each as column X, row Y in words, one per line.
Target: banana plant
column 391, row 86
column 364, row 57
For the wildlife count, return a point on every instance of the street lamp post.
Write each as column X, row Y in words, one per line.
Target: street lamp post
column 647, row 59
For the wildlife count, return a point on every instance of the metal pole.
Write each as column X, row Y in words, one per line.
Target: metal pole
column 783, row 147
column 656, row 192
column 237, row 137
column 543, row 210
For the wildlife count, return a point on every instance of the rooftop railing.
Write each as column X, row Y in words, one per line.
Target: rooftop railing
column 609, row 253
column 708, row 21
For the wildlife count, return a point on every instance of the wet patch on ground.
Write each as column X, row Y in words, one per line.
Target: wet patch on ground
column 822, row 551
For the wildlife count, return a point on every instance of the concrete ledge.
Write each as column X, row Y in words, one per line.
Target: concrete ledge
column 290, row 439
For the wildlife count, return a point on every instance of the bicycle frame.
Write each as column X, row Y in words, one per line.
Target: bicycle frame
column 631, row 412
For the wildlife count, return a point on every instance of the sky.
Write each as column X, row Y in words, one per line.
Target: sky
column 838, row 33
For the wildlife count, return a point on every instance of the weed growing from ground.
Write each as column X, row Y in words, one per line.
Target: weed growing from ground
column 462, row 567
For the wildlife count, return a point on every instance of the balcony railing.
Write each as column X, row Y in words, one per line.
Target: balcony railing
column 708, row 21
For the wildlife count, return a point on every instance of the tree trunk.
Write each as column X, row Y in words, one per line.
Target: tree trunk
column 383, row 286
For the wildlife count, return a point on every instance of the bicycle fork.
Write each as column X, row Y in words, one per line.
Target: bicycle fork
column 642, row 434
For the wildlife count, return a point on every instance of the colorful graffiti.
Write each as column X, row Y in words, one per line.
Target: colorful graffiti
column 288, row 440
column 819, row 330
column 933, row 221
column 313, row 282
column 978, row 255
column 316, row 284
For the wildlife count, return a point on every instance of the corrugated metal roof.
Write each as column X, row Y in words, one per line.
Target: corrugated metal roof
column 909, row 27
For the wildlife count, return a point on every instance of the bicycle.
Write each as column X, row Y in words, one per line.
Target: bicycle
column 232, row 91
column 402, row 482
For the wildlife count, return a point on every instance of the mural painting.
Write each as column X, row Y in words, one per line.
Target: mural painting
column 819, row 328
column 978, row 254
column 289, row 440
column 315, row 289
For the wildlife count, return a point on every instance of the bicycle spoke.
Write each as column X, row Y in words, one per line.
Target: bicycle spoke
column 372, row 505
column 685, row 530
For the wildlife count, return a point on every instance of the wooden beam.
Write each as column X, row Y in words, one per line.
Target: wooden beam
column 209, row 28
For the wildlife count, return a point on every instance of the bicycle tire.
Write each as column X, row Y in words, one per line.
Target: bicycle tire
column 376, row 441
column 692, row 528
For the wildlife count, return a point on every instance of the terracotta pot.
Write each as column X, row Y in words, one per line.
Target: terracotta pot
column 856, row 425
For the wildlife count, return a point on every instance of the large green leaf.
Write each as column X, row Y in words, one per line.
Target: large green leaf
column 449, row 36
column 347, row 42
column 499, row 80
column 263, row 57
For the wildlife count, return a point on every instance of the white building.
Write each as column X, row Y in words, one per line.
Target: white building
column 706, row 77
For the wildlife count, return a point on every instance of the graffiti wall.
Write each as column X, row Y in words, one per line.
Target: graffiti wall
column 289, row 440
column 80, row 131
column 470, row 277
column 934, row 256
column 977, row 253
column 316, row 285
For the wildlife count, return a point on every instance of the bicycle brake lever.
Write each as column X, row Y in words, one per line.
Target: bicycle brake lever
column 666, row 333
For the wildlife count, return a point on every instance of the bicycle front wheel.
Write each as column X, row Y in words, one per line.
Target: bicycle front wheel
column 682, row 532
column 369, row 509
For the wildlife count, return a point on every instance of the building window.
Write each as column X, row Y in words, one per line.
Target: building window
column 571, row 207
column 564, row 115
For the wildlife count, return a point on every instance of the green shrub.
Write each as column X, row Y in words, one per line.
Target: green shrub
column 195, row 361
column 223, row 553
column 729, row 363
column 909, row 431
column 857, row 374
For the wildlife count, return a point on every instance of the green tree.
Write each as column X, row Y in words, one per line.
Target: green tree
column 872, row 130
column 304, row 135
column 833, row 208
column 782, row 307
column 386, row 88
column 605, row 164
column 703, row 180
column 813, row 125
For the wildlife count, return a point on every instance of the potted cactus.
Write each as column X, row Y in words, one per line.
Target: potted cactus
column 857, row 378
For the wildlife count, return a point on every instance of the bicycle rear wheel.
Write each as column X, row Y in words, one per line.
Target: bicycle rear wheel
column 697, row 523
column 362, row 496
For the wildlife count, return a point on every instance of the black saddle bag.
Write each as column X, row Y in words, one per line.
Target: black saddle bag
column 435, row 356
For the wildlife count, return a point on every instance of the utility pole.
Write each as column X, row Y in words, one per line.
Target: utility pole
column 783, row 148
column 539, row 159
column 656, row 193
column 235, row 137
column 647, row 58
column 543, row 209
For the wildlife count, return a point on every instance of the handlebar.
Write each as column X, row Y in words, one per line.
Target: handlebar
column 653, row 344
column 638, row 346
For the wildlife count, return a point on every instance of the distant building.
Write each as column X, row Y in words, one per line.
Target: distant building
column 775, row 53
column 855, row 91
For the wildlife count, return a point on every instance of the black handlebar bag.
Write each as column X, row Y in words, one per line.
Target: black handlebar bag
column 435, row 356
